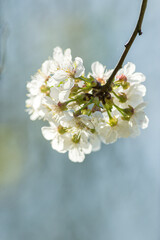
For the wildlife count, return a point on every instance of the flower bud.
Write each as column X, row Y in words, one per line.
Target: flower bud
column 76, row 138
column 93, row 130
column 122, row 97
column 125, row 85
column 108, row 103
column 128, row 113
column 45, row 89
column 122, row 80
column 61, row 129
column 113, row 121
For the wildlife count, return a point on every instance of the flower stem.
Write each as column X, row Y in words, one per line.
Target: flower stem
column 115, row 94
column 78, row 112
column 121, row 110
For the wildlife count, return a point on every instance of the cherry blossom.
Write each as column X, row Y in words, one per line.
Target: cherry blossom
column 80, row 115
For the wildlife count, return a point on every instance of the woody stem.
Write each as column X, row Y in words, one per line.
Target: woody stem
column 128, row 45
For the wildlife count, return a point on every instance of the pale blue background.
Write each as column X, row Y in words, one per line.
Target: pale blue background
column 115, row 193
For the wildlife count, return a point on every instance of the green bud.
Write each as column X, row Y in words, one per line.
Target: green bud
column 113, row 121
column 125, row 118
column 122, row 97
column 128, row 113
column 125, row 85
column 61, row 129
column 45, row 89
column 108, row 104
column 122, row 80
column 115, row 86
column 76, row 138
column 93, row 130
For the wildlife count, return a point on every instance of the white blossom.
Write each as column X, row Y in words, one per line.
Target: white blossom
column 34, row 102
column 128, row 72
column 100, row 73
column 139, row 119
column 80, row 115
column 59, row 141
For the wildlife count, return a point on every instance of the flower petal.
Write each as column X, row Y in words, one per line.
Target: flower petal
column 67, row 54
column 60, row 75
column 108, row 135
column 79, row 67
column 97, row 69
column 95, row 142
column 63, row 96
column 68, row 84
column 129, row 68
column 48, row 132
column 49, row 67
column 137, row 78
column 76, row 155
column 54, row 93
column 142, row 119
column 58, row 144
column 57, row 54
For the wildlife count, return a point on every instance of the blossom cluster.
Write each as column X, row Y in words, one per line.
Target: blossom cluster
column 80, row 115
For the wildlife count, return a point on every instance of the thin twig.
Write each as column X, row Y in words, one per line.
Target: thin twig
column 127, row 46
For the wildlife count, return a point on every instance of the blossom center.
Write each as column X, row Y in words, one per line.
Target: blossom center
column 101, row 81
column 122, row 77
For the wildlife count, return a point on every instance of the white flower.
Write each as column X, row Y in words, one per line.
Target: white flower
column 34, row 86
column 128, row 72
column 84, row 138
column 48, row 67
column 100, row 73
column 139, row 119
column 110, row 130
column 53, row 110
column 34, row 107
column 57, row 135
column 79, row 146
column 80, row 114
column 134, row 95
column 34, row 102
column 60, row 58
column 59, row 95
column 81, row 122
column 67, row 69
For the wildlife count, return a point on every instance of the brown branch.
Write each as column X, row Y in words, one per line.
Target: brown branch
column 128, row 45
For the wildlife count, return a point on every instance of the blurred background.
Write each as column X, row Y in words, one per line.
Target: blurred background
column 115, row 193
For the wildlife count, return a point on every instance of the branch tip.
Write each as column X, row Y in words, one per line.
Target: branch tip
column 137, row 31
